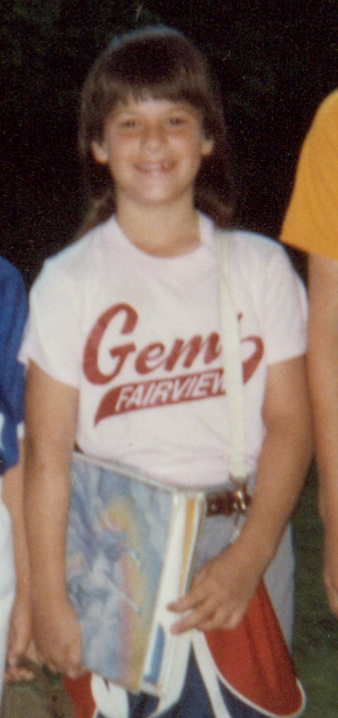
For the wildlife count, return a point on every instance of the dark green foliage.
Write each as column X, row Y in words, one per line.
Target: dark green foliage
column 316, row 629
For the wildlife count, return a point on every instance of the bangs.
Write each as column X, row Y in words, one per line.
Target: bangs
column 175, row 88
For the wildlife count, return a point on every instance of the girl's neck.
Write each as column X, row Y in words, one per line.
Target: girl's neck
column 161, row 232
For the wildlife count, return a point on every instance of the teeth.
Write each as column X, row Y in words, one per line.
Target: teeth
column 155, row 167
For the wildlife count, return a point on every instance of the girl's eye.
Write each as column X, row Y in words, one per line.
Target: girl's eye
column 128, row 124
column 176, row 121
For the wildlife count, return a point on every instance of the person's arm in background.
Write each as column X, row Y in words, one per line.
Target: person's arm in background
column 323, row 377
column 20, row 623
column 13, row 313
column 311, row 225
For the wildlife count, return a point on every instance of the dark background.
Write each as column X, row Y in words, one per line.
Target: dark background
column 276, row 61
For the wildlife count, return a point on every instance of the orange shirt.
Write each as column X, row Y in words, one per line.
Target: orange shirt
column 311, row 221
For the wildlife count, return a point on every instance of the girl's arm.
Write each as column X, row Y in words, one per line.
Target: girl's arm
column 51, row 415
column 222, row 589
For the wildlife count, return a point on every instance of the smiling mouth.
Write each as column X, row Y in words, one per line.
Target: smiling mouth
column 155, row 167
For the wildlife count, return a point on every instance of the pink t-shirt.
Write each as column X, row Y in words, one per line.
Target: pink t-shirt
column 139, row 336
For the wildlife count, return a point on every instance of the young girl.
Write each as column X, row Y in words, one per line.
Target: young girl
column 136, row 301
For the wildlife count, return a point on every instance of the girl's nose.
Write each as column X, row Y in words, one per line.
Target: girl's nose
column 153, row 135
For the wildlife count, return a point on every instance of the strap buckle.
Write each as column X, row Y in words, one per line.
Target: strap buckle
column 227, row 503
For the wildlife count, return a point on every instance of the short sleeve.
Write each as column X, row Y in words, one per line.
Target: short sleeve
column 285, row 310
column 269, row 292
column 52, row 336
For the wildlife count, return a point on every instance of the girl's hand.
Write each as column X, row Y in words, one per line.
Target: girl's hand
column 57, row 636
column 219, row 594
column 19, row 639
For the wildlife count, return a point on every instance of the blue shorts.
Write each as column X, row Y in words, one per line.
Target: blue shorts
column 194, row 701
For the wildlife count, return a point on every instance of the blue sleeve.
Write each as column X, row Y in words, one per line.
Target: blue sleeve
column 13, row 311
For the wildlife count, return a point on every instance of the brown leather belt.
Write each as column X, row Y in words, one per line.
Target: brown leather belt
column 227, row 503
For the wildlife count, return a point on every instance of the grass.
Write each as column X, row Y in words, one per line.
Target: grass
column 316, row 629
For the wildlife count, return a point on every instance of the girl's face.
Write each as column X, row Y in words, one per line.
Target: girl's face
column 153, row 149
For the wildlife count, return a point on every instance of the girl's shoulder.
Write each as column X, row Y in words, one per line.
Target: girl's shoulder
column 82, row 256
column 246, row 246
column 259, row 266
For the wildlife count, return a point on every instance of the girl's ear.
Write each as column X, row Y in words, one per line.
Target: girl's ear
column 99, row 152
column 207, row 147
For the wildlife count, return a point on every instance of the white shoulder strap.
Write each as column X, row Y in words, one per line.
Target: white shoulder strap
column 231, row 346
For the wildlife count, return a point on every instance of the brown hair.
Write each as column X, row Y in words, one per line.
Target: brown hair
column 161, row 63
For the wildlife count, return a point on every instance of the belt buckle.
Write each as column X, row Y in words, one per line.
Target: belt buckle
column 229, row 502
